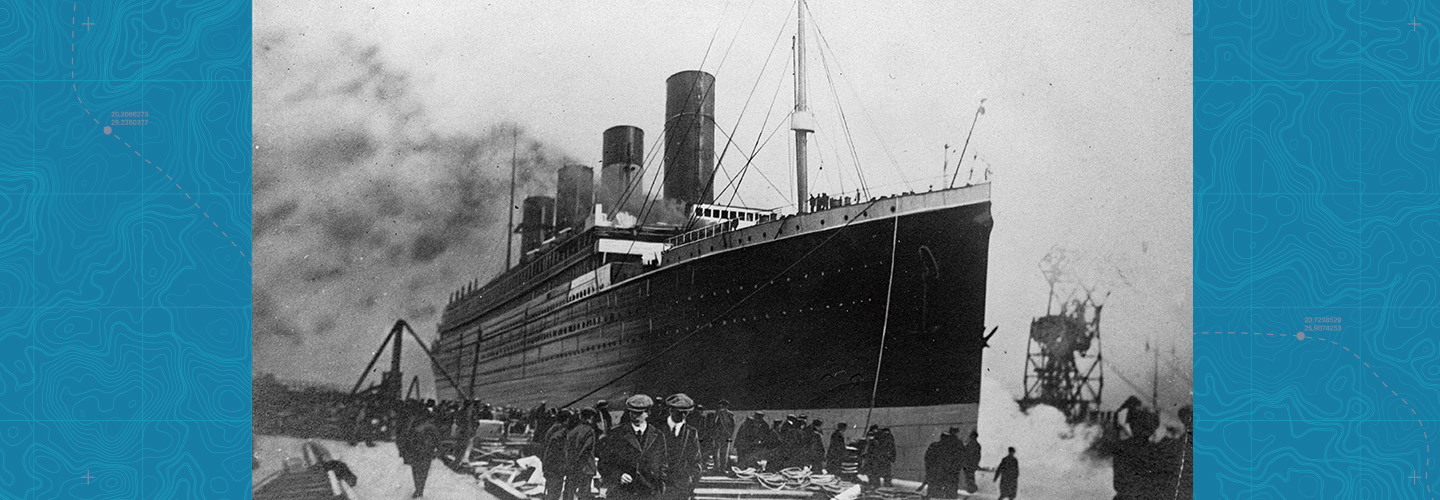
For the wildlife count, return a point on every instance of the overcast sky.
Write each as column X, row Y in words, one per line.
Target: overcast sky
column 1087, row 133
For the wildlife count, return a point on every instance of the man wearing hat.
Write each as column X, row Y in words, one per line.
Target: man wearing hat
column 815, row 446
column 836, row 452
column 632, row 455
column 682, row 449
column 750, row 440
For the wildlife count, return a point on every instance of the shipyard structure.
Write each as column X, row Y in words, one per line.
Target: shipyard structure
column 857, row 311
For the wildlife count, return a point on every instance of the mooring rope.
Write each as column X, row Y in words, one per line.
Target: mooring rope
column 885, row 327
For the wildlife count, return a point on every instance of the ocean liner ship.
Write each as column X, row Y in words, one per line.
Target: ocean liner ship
column 858, row 311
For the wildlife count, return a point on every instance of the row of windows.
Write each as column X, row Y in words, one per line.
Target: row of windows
column 596, row 347
column 716, row 213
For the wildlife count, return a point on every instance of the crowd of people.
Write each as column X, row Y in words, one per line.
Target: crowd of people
column 659, row 449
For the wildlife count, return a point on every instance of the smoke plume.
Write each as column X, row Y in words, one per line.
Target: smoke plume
column 364, row 211
column 1054, row 462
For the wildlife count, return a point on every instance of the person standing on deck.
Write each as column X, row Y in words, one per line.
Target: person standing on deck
column 970, row 462
column 1008, row 473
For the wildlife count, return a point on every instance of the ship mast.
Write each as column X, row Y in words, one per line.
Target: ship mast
column 800, row 120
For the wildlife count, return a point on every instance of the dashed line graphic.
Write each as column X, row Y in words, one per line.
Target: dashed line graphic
column 107, row 130
column 1300, row 336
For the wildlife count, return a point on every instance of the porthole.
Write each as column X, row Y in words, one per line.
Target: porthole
column 892, row 209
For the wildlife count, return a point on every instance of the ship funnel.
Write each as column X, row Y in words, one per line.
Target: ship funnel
column 574, row 196
column 623, row 154
column 690, row 137
column 537, row 223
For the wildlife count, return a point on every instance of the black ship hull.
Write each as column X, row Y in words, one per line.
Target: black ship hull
column 794, row 322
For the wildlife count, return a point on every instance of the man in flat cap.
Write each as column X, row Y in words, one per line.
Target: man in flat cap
column 632, row 455
column 682, row 447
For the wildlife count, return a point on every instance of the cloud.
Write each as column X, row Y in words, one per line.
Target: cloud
column 366, row 211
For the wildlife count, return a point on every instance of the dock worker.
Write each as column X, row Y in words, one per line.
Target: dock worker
column 682, row 449
column 1008, row 474
column 631, row 457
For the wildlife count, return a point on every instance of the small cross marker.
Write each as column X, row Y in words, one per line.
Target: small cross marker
column 1413, row 24
column 1413, row 477
column 87, row 476
column 87, row 23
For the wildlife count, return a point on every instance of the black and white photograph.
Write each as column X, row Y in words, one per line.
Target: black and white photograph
column 722, row 249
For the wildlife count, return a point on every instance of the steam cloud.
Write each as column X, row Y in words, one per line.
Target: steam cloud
column 364, row 212
column 1054, row 462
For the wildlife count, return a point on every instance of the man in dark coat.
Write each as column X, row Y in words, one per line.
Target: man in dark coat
column 815, row 445
column 836, row 452
column 1135, row 459
column 942, row 465
column 1008, row 473
column 868, row 457
column 632, row 455
column 580, row 455
column 884, row 456
column 722, row 428
column 552, row 456
column 970, row 462
column 794, row 439
column 750, row 440
column 682, row 449
column 418, row 446
column 774, row 446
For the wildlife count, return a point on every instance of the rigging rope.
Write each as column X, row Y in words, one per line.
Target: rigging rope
column 825, row 42
column 710, row 184
column 755, row 148
column 844, row 122
column 885, row 327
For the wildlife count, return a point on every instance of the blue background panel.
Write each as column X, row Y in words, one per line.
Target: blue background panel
column 124, row 309
column 1316, row 132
